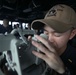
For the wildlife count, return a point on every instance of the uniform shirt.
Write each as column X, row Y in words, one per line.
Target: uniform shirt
column 7, row 29
column 69, row 59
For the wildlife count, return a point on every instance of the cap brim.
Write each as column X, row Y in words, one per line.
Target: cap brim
column 56, row 25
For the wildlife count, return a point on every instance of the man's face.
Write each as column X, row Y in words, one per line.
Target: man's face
column 5, row 22
column 59, row 40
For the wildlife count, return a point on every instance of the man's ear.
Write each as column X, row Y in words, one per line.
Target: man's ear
column 73, row 33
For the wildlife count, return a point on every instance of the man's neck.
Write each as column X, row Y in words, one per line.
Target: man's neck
column 5, row 26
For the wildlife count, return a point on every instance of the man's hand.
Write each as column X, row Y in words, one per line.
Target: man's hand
column 48, row 54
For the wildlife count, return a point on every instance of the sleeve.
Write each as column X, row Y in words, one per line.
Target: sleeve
column 67, row 72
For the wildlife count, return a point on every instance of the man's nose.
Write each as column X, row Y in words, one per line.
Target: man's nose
column 51, row 38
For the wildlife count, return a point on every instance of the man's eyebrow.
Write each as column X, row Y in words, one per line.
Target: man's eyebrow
column 44, row 29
